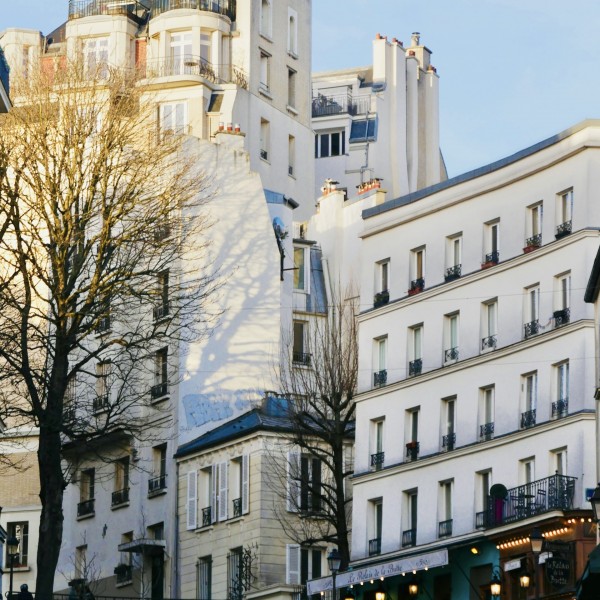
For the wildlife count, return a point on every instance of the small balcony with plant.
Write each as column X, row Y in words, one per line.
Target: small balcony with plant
column 381, row 298
column 491, row 259
column 486, row 432
column 449, row 441
column 561, row 317
column 563, row 230
column 412, row 450
column 380, row 378
column 532, row 328
column 415, row 367
column 451, row 355
column 416, row 286
column 489, row 342
column 532, row 243
column 453, row 273
column 560, row 408
column 377, row 460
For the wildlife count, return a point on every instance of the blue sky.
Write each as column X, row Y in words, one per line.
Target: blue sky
column 512, row 72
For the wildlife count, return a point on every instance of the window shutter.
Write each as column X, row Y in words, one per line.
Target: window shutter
column 315, row 486
column 213, row 494
column 245, row 484
column 192, row 501
column 223, row 491
column 293, row 481
column 293, row 564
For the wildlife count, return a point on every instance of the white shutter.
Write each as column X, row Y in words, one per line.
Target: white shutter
column 213, row 494
column 192, row 500
column 292, row 576
column 223, row 491
column 245, row 484
column 293, row 481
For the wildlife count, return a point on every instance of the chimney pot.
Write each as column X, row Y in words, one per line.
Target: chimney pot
column 415, row 38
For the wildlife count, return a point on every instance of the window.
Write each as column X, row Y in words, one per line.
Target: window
column 300, row 280
column 363, row 130
column 409, row 533
column 412, row 433
column 375, row 525
column 158, row 481
column 527, row 470
column 380, row 361
column 292, row 43
column 239, row 485
column 96, row 57
column 560, row 407
column 489, row 325
column 534, row 227
column 529, row 400
column 208, row 494
column 417, row 267
column 486, row 413
column 121, row 482
column 265, row 18
column 302, row 564
column 124, row 572
column 161, row 374
column 304, row 483
column 415, row 350
column 453, row 257
column 204, row 577
column 451, row 332
column 81, row 565
column 382, row 276
column 173, row 118
column 384, row 273
column 330, row 144
column 445, row 508
column 86, row 493
column 449, row 423
column 19, row 530
column 558, row 462
column 162, row 292
column 265, row 72
column 235, row 574
column 291, row 155
column 482, row 497
column 157, row 531
column 265, row 139
column 492, row 243
column 291, row 88
column 532, row 311
column 564, row 216
column 562, row 299
column 205, row 46
column 299, row 354
column 102, row 399
column 377, row 453
column 181, row 52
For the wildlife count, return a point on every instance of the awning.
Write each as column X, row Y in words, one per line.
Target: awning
column 146, row 546
column 417, row 562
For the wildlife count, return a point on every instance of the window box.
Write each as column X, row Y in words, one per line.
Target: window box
column 533, row 243
column 563, row 230
column 412, row 450
column 561, row 317
column 380, row 378
column 160, row 390
column 416, row 286
column 381, row 298
column 453, row 273
column 491, row 259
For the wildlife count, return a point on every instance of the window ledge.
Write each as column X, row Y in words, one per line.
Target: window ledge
column 88, row 516
column 20, row 569
column 156, row 493
column 205, row 528
column 124, row 583
column 120, row 505
column 293, row 54
column 266, row 36
column 159, row 399
column 266, row 92
column 292, row 110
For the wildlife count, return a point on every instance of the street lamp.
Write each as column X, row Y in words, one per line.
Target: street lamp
column 537, row 543
column 495, row 584
column 525, row 580
column 413, row 587
column 380, row 593
column 334, row 560
column 12, row 548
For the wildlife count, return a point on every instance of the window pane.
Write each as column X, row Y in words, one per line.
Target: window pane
column 335, row 144
column 324, row 144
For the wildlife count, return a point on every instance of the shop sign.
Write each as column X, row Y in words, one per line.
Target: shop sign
column 558, row 571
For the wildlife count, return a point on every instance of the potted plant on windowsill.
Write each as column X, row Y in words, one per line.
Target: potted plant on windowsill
column 412, row 445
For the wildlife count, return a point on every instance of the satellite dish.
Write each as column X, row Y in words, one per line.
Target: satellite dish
column 498, row 491
column 279, row 228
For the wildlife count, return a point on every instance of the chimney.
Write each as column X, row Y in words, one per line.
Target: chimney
column 415, row 39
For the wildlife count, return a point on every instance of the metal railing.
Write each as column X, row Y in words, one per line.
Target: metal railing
column 486, row 431
column 86, row 507
column 157, row 483
column 120, row 497
column 325, row 105
column 556, row 492
column 377, row 460
column 453, row 273
column 449, row 441
column 135, row 9
column 535, row 241
column 160, row 312
column 445, row 528
column 206, row 516
column 528, row 419
column 531, row 328
column 375, row 546
column 221, row 7
column 451, row 354
column 560, row 408
column 100, row 403
column 237, row 507
column 493, row 257
column 412, row 450
column 124, row 573
column 489, row 342
column 409, row 537
column 181, row 65
column 301, row 358
column 563, row 229
column 380, row 378
column 417, row 285
column 103, row 324
column 381, row 298
column 415, row 366
column 159, row 390
column 561, row 317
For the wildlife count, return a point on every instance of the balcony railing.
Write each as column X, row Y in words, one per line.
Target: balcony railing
column 563, row 229
column 561, row 317
column 338, row 104
column 415, row 366
column 412, row 450
column 416, row 286
column 377, row 460
column 486, row 431
column 123, row 573
column 221, row 7
column 301, row 358
column 535, row 241
column 159, row 390
column 237, row 507
column 381, row 298
column 85, row 508
column 489, row 342
column 451, row 354
column 531, row 328
column 445, row 528
column 492, row 258
column 120, row 497
column 528, row 419
column 379, row 378
column 160, row 312
column 560, row 408
column 449, row 441
column 103, row 325
column 409, row 537
column 206, row 516
column 556, row 492
column 135, row 9
column 375, row 546
column 100, row 403
column 157, row 483
column 453, row 273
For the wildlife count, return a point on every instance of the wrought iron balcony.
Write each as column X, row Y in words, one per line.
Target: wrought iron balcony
column 489, row 342
column 416, row 286
column 415, row 366
column 445, row 528
column 493, row 257
column 561, row 317
column 237, row 507
column 563, row 229
column 528, row 419
column 206, row 516
column 535, row 241
column 123, row 573
column 157, row 484
column 377, row 460
column 85, row 508
column 409, row 537
column 560, row 408
column 556, row 492
column 451, row 354
column 325, row 105
column 531, row 328
column 301, row 358
column 412, row 450
column 120, row 497
column 221, row 7
column 375, row 546
column 449, row 441
column 137, row 10
column 486, row 431
column 381, row 298
column 160, row 312
column 453, row 273
column 380, row 378
column 101, row 403
column 103, row 325
column 159, row 390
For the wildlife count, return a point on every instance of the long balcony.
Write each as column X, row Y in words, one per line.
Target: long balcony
column 221, row 7
column 544, row 495
column 338, row 104
column 137, row 10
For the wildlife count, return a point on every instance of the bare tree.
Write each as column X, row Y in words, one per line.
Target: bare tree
column 103, row 232
column 313, row 482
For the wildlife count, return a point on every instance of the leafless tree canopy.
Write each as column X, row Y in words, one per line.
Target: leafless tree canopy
column 102, row 236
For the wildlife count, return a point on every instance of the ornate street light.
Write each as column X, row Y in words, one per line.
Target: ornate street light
column 595, row 500
column 380, row 593
column 496, row 584
column 537, row 543
column 12, row 549
column 413, row 587
column 334, row 560
column 525, row 579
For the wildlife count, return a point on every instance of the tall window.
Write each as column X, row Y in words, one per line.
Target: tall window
column 299, row 354
column 486, row 413
column 412, row 417
column 265, row 18
column 204, row 568
column 449, row 423
column 380, row 361
column 173, row 118
column 375, row 525
column 534, row 226
column 265, row 139
column 451, row 333
column 87, row 488
column 377, row 453
column 558, row 463
column 300, row 282
column 235, row 574
column 529, row 399
column 492, row 243
column 161, row 374
column 562, row 299
column 418, row 268
column 292, row 42
column 445, row 508
column 384, row 276
column 158, row 481
column 330, row 144
column 453, row 257
column 560, row 407
column 304, row 483
column 527, row 470
column 162, row 292
column 482, row 490
column 265, row 71
column 291, row 155
column 96, row 56
column 81, row 564
column 532, row 311
column 564, row 213
column 121, row 481
column 102, row 399
column 291, row 88
column 302, row 564
column 409, row 533
column 489, row 325
column 181, row 52
column 415, row 350
column 205, row 46
column 19, row 530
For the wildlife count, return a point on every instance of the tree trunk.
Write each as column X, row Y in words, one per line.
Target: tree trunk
column 51, row 521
